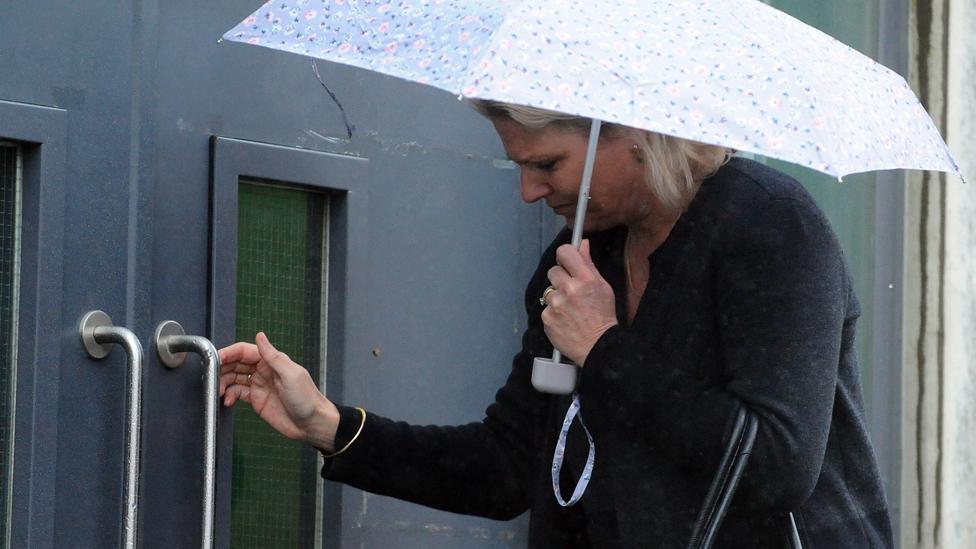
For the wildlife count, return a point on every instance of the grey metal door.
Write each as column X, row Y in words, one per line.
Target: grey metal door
column 142, row 143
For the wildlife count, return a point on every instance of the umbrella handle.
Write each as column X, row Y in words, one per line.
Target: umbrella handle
column 553, row 376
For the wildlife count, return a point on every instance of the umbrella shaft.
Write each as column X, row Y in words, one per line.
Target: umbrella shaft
column 584, row 196
column 584, row 192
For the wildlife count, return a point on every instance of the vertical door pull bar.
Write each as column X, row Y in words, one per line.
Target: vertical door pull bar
column 172, row 344
column 97, row 333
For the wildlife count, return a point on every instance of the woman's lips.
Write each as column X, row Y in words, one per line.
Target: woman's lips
column 564, row 209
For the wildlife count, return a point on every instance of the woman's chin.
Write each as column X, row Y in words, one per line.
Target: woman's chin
column 588, row 225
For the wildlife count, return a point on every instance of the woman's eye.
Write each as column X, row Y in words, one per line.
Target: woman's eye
column 546, row 166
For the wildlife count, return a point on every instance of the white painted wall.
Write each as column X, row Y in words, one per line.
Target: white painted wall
column 960, row 338
column 938, row 490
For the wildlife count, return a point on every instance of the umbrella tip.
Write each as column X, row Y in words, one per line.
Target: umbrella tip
column 221, row 39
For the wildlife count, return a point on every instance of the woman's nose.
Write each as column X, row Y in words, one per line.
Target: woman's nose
column 534, row 187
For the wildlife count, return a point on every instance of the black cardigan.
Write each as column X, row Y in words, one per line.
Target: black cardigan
column 749, row 301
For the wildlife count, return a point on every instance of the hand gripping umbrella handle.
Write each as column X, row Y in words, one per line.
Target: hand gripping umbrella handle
column 552, row 375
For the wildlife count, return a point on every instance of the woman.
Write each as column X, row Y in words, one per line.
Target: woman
column 705, row 284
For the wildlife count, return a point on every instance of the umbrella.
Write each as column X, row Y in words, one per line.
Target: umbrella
column 735, row 73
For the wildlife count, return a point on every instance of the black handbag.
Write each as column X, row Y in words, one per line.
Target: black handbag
column 726, row 479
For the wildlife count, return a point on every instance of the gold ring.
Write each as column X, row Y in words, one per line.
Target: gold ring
column 544, row 300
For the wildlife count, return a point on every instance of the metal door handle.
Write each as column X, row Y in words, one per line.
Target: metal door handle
column 172, row 344
column 97, row 333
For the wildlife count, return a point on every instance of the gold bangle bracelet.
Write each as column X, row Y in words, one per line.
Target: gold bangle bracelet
column 354, row 437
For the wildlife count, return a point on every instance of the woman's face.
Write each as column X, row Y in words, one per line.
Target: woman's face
column 551, row 161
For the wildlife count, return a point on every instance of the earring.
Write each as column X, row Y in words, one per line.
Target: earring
column 637, row 154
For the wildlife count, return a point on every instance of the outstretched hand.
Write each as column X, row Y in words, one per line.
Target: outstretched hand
column 582, row 307
column 280, row 391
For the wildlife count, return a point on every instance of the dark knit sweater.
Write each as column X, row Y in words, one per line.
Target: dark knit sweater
column 749, row 302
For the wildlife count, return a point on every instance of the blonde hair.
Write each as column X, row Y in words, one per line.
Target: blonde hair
column 674, row 167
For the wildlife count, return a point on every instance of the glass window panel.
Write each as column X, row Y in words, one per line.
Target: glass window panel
column 280, row 289
column 10, row 181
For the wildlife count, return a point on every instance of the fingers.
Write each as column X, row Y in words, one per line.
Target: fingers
column 234, row 385
column 232, row 378
column 575, row 263
column 240, row 366
column 559, row 278
column 574, row 266
column 235, row 393
column 243, row 352
column 236, row 373
column 585, row 252
column 252, row 365
column 278, row 361
column 547, row 319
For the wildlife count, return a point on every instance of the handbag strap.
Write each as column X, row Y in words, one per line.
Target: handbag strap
column 734, row 460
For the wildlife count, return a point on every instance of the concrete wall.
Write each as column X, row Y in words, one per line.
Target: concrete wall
column 960, row 452
column 939, row 383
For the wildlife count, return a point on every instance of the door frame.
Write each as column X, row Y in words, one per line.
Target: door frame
column 42, row 131
column 343, row 178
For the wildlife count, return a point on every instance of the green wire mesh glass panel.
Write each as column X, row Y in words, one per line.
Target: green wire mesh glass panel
column 279, row 291
column 9, row 175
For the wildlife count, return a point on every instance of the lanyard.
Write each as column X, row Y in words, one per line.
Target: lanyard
column 557, row 457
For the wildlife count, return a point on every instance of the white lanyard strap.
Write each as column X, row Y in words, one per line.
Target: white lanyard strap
column 557, row 457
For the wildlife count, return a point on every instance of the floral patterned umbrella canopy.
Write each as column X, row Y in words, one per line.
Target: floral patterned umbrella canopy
column 736, row 73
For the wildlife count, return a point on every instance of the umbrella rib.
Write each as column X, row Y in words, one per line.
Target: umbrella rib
column 345, row 118
column 490, row 44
